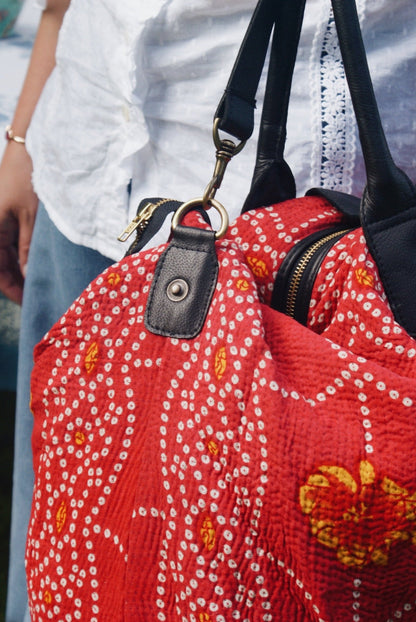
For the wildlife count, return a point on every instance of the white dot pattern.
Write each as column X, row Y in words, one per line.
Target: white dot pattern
column 175, row 478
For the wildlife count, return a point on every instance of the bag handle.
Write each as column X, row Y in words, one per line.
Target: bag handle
column 386, row 183
column 388, row 205
column 235, row 112
column 273, row 181
column 388, row 189
column 236, row 108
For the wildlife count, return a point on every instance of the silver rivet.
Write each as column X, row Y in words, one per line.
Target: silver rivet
column 177, row 290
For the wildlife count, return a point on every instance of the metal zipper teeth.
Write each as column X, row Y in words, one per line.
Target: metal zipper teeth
column 302, row 265
column 143, row 222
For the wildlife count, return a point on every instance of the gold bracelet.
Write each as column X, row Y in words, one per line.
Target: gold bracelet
column 11, row 136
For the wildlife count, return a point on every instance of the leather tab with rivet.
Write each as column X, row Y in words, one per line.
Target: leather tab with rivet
column 183, row 285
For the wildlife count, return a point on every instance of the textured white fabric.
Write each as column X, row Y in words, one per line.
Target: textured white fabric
column 136, row 86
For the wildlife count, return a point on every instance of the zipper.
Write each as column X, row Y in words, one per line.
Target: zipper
column 150, row 217
column 302, row 266
column 141, row 220
column 296, row 277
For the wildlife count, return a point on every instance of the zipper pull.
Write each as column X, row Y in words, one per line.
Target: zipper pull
column 139, row 222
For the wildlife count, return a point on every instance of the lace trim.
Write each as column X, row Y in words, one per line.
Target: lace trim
column 334, row 125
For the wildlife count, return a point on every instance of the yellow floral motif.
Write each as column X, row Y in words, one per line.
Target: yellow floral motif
column 207, row 532
column 242, row 285
column 47, row 597
column 220, row 364
column 364, row 277
column 204, row 617
column 91, row 357
column 114, row 279
column 61, row 517
column 361, row 520
column 213, row 447
column 79, row 437
column 258, row 267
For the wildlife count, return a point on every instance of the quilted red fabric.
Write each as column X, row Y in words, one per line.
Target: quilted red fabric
column 262, row 471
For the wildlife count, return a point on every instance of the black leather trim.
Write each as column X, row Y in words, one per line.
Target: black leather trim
column 392, row 244
column 345, row 203
column 190, row 257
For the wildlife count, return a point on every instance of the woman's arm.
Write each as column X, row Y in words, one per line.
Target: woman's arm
column 18, row 202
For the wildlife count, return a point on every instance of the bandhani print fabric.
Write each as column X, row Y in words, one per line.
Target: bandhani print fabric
column 262, row 471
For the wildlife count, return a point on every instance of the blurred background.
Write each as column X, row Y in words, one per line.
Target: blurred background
column 18, row 21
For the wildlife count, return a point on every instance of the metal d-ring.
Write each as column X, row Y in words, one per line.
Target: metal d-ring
column 192, row 204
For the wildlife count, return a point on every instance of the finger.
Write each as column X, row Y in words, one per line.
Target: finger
column 11, row 280
column 26, row 224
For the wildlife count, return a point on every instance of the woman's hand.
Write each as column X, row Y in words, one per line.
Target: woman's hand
column 18, row 202
column 18, row 205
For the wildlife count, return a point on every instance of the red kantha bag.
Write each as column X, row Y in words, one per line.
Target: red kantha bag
column 201, row 456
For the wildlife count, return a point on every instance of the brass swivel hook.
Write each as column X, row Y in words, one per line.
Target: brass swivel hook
column 226, row 149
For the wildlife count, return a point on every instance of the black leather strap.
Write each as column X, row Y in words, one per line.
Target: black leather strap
column 387, row 185
column 273, row 180
column 236, row 108
column 389, row 190
column 388, row 206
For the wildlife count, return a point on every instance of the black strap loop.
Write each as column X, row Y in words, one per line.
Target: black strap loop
column 236, row 108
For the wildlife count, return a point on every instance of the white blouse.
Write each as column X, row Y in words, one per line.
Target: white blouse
column 136, row 85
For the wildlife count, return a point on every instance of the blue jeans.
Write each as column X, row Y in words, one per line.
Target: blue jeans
column 58, row 271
